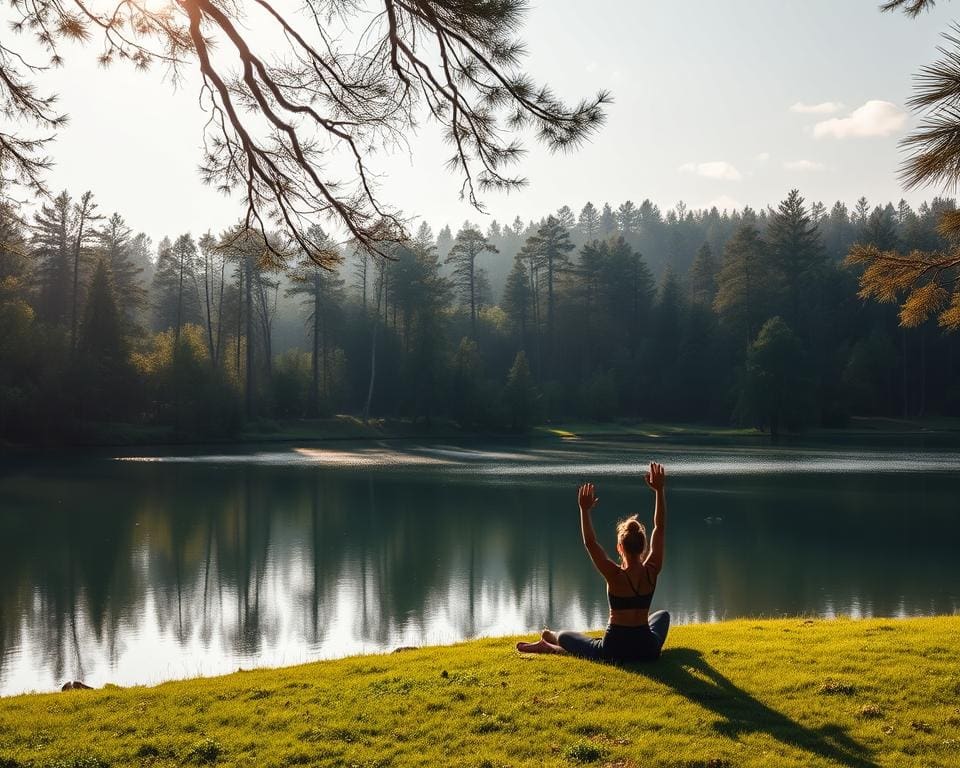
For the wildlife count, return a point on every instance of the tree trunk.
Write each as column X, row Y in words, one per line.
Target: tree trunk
column 473, row 299
column 248, row 395
column 239, row 320
column 209, row 308
column 373, row 356
column 314, row 362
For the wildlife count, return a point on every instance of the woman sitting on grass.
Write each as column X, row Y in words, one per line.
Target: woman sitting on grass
column 633, row 634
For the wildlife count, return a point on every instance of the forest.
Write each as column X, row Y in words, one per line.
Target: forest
column 615, row 312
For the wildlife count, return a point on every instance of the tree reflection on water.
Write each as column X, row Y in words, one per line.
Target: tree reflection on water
column 139, row 572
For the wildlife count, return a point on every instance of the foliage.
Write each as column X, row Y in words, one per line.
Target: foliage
column 520, row 395
column 661, row 335
column 314, row 93
column 775, row 393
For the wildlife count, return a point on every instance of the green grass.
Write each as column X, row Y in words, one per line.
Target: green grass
column 788, row 692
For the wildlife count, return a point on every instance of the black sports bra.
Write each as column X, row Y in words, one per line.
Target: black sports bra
column 636, row 600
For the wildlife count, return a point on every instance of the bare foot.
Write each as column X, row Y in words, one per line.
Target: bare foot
column 550, row 637
column 541, row 646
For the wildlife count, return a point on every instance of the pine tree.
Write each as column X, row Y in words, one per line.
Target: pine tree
column 517, row 301
column 703, row 277
column 775, row 392
column 881, row 229
column 321, row 291
column 743, row 285
column 469, row 245
column 628, row 221
column 212, row 294
column 552, row 247
column 608, row 222
column 85, row 237
column 125, row 276
column 520, row 395
column 444, row 243
column 102, row 349
column 837, row 231
column 51, row 250
column 588, row 224
column 667, row 314
column 797, row 255
column 566, row 218
column 861, row 213
column 14, row 259
column 175, row 298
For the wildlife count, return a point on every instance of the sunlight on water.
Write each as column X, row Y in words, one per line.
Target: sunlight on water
column 169, row 566
column 579, row 463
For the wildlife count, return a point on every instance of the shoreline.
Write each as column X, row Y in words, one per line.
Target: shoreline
column 816, row 692
column 343, row 429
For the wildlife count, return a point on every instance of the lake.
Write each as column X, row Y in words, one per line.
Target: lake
column 137, row 566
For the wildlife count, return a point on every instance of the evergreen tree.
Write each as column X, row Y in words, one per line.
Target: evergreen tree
column 742, row 299
column 51, row 249
column 667, row 315
column 881, row 229
column 861, row 213
column 14, row 258
column 608, row 222
column 552, row 247
column 520, row 394
column 469, row 245
column 837, row 232
column 796, row 254
column 517, row 301
column 175, row 299
column 125, row 276
column 588, row 224
column 102, row 350
column 775, row 394
column 444, row 243
column 566, row 218
column 321, row 293
column 628, row 221
column 703, row 277
column 85, row 237
column 212, row 296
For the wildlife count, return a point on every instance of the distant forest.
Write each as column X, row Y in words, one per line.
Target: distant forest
column 626, row 312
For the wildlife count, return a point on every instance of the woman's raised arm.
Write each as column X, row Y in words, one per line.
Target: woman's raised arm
column 656, row 478
column 587, row 500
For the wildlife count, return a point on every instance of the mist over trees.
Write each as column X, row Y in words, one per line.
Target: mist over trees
column 613, row 312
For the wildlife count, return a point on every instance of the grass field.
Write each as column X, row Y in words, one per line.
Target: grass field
column 787, row 692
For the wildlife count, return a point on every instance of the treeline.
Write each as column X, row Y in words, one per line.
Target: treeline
column 689, row 315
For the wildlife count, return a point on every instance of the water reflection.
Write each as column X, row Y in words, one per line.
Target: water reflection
column 139, row 571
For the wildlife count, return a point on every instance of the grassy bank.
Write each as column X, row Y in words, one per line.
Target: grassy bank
column 744, row 693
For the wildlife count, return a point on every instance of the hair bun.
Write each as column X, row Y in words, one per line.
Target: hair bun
column 633, row 525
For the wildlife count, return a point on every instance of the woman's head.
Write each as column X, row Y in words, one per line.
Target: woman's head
column 631, row 539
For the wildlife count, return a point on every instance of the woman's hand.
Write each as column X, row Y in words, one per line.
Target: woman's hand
column 656, row 477
column 587, row 497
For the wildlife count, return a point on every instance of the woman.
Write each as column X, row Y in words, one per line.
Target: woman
column 633, row 634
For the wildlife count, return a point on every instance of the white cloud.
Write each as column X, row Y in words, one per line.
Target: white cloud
column 875, row 118
column 803, row 165
column 823, row 108
column 715, row 169
column 762, row 157
column 592, row 66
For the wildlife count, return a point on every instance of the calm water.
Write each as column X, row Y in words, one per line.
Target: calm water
column 137, row 568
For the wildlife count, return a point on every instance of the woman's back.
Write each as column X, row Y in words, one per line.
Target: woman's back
column 630, row 592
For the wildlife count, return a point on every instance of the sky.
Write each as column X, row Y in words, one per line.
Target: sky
column 716, row 102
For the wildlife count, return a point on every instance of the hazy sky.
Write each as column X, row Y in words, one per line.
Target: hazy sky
column 730, row 102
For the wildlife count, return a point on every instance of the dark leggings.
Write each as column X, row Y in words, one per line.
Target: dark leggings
column 620, row 643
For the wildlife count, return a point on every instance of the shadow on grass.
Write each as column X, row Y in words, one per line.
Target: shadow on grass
column 686, row 672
